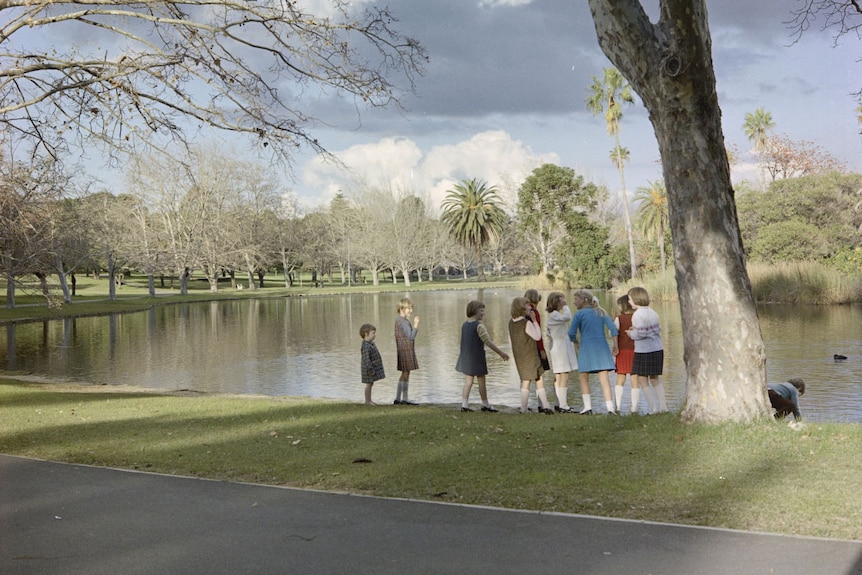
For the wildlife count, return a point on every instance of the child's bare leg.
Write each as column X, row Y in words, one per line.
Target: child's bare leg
column 368, row 394
column 465, row 391
column 483, row 390
column 585, row 392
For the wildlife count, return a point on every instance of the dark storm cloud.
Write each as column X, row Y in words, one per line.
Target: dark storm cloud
column 539, row 58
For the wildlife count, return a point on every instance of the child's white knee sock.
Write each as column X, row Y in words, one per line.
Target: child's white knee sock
column 662, row 400
column 618, row 390
column 651, row 398
column 525, row 396
column 636, row 398
column 588, row 402
column 543, row 398
column 562, row 400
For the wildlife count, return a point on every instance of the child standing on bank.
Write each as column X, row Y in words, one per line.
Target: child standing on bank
column 563, row 357
column 405, row 336
column 594, row 356
column 471, row 359
column 524, row 333
column 649, row 351
column 534, row 297
column 372, row 363
column 626, row 353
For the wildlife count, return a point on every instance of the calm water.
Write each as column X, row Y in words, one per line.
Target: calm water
column 310, row 346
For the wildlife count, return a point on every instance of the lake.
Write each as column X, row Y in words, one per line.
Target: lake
column 309, row 346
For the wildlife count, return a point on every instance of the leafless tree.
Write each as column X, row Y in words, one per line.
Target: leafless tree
column 29, row 195
column 137, row 74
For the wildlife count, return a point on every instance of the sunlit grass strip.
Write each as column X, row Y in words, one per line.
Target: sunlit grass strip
column 764, row 477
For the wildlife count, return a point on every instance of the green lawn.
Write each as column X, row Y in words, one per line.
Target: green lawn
column 765, row 476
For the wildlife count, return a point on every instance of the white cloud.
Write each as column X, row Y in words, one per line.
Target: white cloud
column 492, row 156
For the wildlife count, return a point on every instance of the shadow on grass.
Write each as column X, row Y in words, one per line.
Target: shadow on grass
column 649, row 468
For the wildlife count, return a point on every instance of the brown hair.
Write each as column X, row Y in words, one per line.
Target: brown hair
column 473, row 307
column 554, row 300
column 639, row 296
column 623, row 304
column 518, row 307
column 366, row 329
column 533, row 296
column 798, row 383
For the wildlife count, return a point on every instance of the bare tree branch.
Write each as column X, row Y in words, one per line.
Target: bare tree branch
column 165, row 69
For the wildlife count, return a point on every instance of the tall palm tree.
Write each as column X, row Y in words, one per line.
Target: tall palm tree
column 619, row 156
column 608, row 95
column 473, row 214
column 652, row 214
column 757, row 127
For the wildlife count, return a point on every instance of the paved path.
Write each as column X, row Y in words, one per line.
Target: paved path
column 70, row 519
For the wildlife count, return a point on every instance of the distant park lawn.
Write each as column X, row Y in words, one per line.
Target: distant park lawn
column 764, row 476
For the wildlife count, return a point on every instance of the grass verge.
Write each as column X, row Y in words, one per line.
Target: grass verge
column 764, row 477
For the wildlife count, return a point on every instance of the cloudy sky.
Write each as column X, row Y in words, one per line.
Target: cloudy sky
column 505, row 86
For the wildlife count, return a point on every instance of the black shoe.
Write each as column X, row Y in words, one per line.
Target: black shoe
column 586, row 412
column 547, row 411
column 468, row 409
column 397, row 402
column 559, row 409
column 489, row 409
column 405, row 402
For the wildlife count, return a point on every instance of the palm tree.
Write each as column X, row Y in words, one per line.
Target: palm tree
column 757, row 127
column 473, row 214
column 608, row 96
column 619, row 156
column 653, row 215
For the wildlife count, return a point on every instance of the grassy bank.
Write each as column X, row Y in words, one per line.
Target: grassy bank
column 92, row 295
column 764, row 477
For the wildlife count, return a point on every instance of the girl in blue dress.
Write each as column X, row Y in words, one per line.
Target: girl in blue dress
column 587, row 331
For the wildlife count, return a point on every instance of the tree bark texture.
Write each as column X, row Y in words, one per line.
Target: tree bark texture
column 669, row 64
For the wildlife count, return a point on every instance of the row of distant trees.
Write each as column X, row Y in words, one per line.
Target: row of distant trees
column 218, row 215
column 221, row 216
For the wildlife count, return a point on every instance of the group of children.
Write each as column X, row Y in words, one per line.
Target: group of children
column 579, row 342
column 576, row 342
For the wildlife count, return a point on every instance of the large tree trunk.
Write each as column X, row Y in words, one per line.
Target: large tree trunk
column 669, row 64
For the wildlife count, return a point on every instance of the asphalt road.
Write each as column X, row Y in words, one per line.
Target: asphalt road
column 70, row 519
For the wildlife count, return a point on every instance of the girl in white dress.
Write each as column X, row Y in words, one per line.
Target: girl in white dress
column 563, row 357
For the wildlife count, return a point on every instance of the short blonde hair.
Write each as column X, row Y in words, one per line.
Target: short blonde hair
column 518, row 306
column 405, row 303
